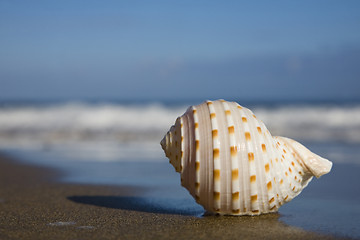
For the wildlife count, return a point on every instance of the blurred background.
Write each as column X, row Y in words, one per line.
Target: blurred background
column 90, row 87
column 104, row 80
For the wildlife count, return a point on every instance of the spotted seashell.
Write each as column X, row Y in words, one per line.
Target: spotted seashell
column 230, row 163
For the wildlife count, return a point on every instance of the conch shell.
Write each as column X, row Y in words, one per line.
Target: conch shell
column 230, row 163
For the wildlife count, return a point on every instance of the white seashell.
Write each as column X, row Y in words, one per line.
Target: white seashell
column 230, row 163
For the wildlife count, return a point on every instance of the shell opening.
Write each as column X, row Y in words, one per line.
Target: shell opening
column 315, row 164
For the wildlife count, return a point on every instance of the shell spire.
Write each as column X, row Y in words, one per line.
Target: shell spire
column 171, row 144
column 230, row 163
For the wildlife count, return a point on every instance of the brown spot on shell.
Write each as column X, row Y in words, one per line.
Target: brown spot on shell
column 194, row 111
column 235, row 196
column 216, row 153
column 216, row 196
column 253, row 178
column 263, row 147
column 231, row 129
column 269, row 186
column 255, row 211
column 233, row 151
column 227, row 112
column 281, row 181
column 214, row 133
column 267, row 167
column 209, row 103
column 244, row 119
column 273, row 207
column 217, row 174
column 259, row 129
column 212, row 115
column 236, row 211
column 197, row 166
column 197, row 144
column 197, row 185
column 247, row 136
column 196, row 125
column 254, row 198
column 235, row 174
column 251, row 156
column 271, row 200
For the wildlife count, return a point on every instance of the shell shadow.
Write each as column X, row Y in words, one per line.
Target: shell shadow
column 143, row 204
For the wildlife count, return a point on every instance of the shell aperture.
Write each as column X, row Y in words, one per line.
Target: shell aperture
column 230, row 163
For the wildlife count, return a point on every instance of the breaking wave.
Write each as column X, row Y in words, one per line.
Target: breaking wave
column 112, row 130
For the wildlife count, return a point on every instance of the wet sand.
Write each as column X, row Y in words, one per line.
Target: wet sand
column 33, row 205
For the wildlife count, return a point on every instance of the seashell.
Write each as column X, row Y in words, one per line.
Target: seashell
column 230, row 163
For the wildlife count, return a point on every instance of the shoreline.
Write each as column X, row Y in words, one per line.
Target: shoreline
column 33, row 205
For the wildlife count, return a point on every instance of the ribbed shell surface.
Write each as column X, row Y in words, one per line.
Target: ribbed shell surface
column 230, row 163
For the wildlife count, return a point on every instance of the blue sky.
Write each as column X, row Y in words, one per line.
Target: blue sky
column 179, row 49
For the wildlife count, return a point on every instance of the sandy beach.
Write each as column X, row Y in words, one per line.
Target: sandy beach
column 33, row 205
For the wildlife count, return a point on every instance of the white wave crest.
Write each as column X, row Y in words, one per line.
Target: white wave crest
column 123, row 122
column 110, row 132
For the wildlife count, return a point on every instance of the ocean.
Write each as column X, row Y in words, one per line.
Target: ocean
column 117, row 143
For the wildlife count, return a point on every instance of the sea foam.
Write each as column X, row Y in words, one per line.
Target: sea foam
column 109, row 132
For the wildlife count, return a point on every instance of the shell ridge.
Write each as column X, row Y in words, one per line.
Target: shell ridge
column 216, row 160
column 297, row 186
column 185, row 148
column 289, row 194
column 268, row 178
column 198, row 148
column 233, row 164
column 250, row 151
column 274, row 166
column 187, row 167
column 206, row 161
column 258, row 161
column 284, row 173
column 192, row 157
column 246, row 165
column 244, row 178
column 225, row 169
